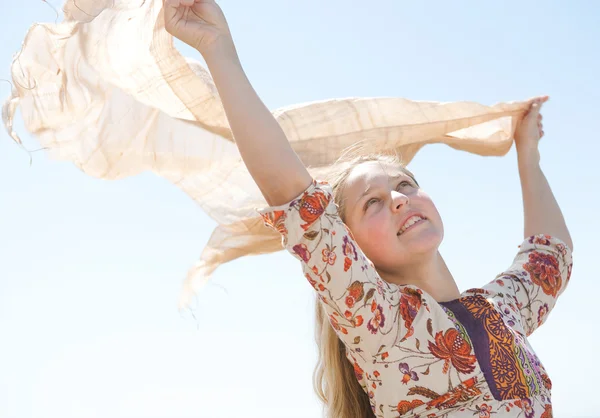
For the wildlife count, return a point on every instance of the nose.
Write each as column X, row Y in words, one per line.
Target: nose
column 398, row 201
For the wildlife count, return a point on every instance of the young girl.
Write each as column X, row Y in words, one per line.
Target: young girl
column 396, row 336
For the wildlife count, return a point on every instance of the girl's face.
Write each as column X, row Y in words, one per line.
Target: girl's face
column 394, row 222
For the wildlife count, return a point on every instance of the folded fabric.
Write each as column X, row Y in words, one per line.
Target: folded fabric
column 107, row 90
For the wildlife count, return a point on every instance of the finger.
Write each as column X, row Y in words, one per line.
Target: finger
column 534, row 110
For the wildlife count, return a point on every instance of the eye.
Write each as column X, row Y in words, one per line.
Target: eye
column 370, row 202
column 405, row 183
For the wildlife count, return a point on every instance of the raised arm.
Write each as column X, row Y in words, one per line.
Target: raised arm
column 271, row 161
column 541, row 211
column 542, row 268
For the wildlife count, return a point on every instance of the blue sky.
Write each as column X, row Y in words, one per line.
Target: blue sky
column 90, row 270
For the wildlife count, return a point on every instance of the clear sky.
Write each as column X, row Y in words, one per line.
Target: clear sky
column 90, row 270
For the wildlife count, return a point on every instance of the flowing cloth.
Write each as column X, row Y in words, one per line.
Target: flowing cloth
column 107, row 90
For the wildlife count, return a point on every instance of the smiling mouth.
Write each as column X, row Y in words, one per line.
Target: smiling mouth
column 413, row 220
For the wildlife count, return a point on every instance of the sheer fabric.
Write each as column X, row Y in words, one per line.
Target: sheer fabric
column 107, row 90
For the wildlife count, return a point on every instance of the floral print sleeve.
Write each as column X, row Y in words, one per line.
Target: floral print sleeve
column 362, row 308
column 539, row 274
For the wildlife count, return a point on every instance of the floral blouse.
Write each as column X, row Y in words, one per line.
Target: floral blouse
column 413, row 356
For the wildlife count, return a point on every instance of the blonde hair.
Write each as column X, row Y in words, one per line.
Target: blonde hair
column 335, row 381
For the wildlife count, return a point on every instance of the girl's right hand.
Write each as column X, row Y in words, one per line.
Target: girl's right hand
column 199, row 23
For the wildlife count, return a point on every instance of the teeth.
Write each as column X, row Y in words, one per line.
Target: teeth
column 411, row 221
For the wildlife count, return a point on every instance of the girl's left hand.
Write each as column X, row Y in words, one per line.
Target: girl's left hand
column 530, row 130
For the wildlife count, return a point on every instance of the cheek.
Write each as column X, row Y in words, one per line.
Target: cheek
column 429, row 208
column 374, row 236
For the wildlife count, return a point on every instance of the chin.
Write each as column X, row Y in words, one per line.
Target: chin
column 424, row 242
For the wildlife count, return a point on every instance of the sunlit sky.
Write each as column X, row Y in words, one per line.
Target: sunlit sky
column 90, row 270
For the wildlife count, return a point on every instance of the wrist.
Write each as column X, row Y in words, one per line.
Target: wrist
column 528, row 157
column 529, row 163
column 220, row 52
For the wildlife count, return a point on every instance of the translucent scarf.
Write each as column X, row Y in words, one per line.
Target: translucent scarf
column 107, row 90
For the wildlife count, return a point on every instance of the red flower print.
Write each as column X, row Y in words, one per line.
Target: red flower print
column 358, row 321
column 484, row 410
column 312, row 282
column 453, row 349
column 544, row 272
column 547, row 412
column 350, row 301
column 356, row 291
column 277, row 220
column 408, row 374
column 410, row 303
column 335, row 324
column 328, row 256
column 302, row 251
column 376, row 373
column 358, row 371
column 542, row 312
column 347, row 264
column 405, row 407
column 312, row 206
column 378, row 318
column 540, row 239
column 547, row 381
column 348, row 249
column 526, row 406
column 385, row 355
column 500, row 282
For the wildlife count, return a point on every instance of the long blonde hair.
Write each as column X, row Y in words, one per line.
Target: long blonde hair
column 334, row 378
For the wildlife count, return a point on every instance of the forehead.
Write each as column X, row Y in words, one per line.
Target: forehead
column 371, row 172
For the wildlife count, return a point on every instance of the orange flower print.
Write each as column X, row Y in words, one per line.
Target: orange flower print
column 453, row 349
column 328, row 256
column 540, row 239
column 547, row 382
column 312, row 282
column 356, row 290
column 544, row 272
column 408, row 374
column 336, row 326
column 312, row 206
column 405, row 407
column 302, row 251
column 276, row 219
column 526, row 406
column 547, row 412
column 358, row 321
column 350, row 301
column 410, row 303
column 349, row 249
column 347, row 264
column 485, row 411
column 542, row 312
column 358, row 371
column 378, row 318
